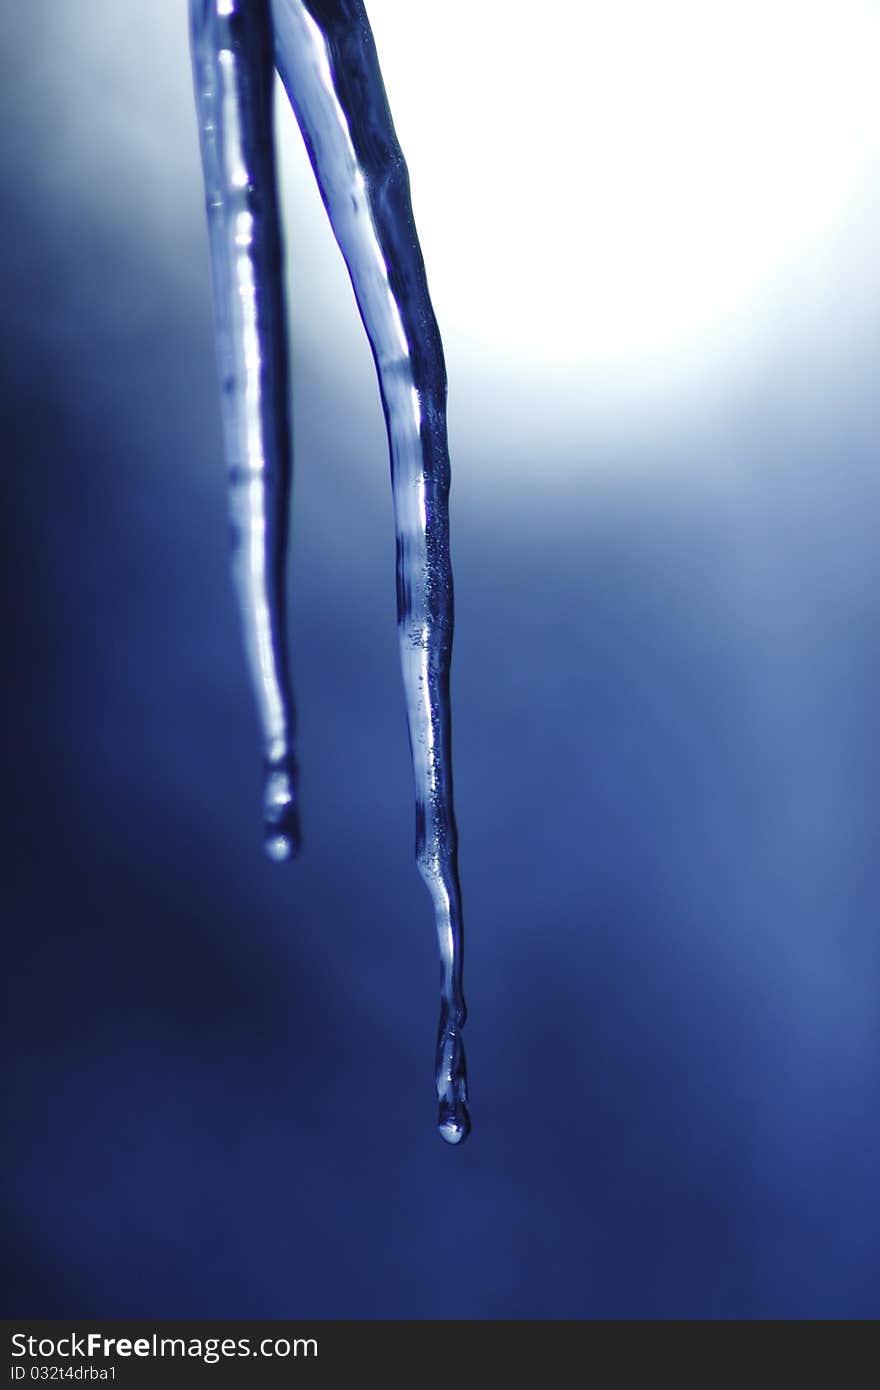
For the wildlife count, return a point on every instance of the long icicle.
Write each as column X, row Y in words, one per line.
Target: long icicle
column 328, row 64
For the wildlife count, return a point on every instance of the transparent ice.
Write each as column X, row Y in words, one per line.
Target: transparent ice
column 326, row 58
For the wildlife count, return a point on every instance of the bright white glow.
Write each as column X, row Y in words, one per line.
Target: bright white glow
column 618, row 181
column 244, row 229
column 623, row 207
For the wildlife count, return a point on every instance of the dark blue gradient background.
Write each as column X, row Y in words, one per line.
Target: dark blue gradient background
column 665, row 685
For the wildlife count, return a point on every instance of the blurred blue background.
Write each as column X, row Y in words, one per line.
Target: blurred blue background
column 665, row 687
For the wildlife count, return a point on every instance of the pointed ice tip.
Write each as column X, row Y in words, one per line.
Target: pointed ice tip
column 279, row 848
column 281, row 816
column 282, row 839
column 454, row 1122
